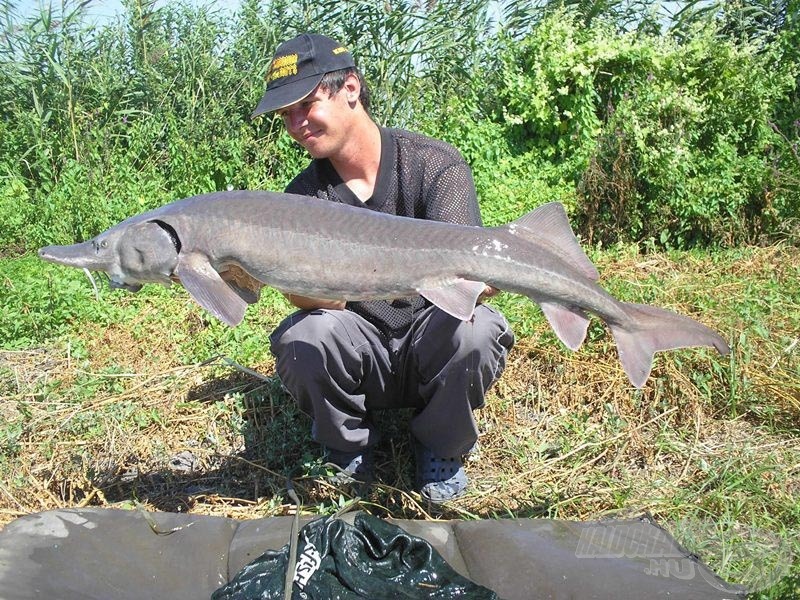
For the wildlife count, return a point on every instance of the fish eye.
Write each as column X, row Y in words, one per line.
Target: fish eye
column 104, row 244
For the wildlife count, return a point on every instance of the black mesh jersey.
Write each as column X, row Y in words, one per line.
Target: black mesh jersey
column 418, row 177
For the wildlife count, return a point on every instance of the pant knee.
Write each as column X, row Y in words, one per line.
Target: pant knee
column 480, row 343
column 319, row 350
column 304, row 327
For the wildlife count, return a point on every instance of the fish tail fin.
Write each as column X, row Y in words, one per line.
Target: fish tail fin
column 650, row 330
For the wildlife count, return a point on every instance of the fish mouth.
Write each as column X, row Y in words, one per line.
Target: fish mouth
column 118, row 285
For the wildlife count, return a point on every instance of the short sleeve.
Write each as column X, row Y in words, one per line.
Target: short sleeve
column 451, row 196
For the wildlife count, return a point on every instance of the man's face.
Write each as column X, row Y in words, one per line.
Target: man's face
column 319, row 122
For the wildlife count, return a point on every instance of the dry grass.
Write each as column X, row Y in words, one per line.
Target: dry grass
column 563, row 434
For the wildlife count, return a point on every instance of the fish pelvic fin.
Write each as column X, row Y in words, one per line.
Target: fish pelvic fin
column 548, row 226
column 569, row 324
column 208, row 288
column 651, row 330
column 458, row 299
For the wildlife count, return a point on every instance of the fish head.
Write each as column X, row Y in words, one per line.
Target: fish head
column 130, row 254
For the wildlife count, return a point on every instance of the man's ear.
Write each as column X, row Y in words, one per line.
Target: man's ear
column 352, row 88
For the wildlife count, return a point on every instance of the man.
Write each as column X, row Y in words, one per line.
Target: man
column 339, row 360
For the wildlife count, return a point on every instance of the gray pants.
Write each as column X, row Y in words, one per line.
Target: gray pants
column 338, row 367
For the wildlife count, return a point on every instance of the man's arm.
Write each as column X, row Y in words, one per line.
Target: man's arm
column 452, row 198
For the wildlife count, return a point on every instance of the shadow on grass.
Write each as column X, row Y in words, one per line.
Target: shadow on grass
column 275, row 447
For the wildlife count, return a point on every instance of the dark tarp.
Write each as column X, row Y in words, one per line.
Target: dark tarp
column 369, row 560
column 102, row 554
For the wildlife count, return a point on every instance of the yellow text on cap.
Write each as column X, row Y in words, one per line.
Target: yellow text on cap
column 283, row 66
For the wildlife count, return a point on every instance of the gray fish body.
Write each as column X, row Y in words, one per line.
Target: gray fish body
column 320, row 249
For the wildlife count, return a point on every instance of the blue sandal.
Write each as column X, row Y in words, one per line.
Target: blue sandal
column 439, row 479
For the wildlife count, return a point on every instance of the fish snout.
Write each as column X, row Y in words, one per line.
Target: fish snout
column 81, row 256
column 48, row 253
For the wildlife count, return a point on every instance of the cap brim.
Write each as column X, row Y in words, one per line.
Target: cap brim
column 285, row 95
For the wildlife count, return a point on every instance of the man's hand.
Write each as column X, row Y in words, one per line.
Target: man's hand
column 306, row 303
column 488, row 292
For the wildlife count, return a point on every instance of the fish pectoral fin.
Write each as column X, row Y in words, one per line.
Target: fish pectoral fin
column 569, row 324
column 458, row 299
column 208, row 288
column 246, row 294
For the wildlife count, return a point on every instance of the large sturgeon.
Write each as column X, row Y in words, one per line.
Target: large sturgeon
column 326, row 250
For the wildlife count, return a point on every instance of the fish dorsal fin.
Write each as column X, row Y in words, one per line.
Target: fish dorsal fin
column 458, row 299
column 208, row 289
column 549, row 226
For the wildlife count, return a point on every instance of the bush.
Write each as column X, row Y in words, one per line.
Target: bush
column 665, row 139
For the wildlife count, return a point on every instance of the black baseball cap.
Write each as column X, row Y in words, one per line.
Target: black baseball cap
column 297, row 68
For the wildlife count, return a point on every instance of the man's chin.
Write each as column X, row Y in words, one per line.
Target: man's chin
column 316, row 147
column 317, row 152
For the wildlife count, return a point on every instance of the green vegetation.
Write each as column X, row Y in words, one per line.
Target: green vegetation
column 672, row 142
column 686, row 135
